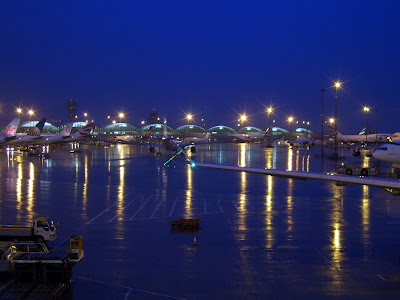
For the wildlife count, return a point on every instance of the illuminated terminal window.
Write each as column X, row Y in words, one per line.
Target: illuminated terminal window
column 250, row 130
column 221, row 130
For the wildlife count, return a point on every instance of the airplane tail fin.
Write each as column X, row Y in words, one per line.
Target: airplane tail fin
column 37, row 130
column 208, row 135
column 363, row 131
column 333, row 132
column 395, row 137
column 86, row 130
column 148, row 132
column 11, row 129
column 66, row 130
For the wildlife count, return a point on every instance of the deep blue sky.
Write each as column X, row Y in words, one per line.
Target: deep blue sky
column 214, row 58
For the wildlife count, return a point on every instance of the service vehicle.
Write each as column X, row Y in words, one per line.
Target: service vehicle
column 358, row 171
column 41, row 230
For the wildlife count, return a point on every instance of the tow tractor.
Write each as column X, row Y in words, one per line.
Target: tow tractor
column 358, row 171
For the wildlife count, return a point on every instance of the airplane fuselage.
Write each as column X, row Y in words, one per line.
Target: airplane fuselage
column 389, row 153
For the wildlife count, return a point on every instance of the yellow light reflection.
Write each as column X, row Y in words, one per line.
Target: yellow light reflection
column 242, row 155
column 85, row 186
column 290, row 159
column 188, row 192
column 19, row 189
column 31, row 182
column 365, row 213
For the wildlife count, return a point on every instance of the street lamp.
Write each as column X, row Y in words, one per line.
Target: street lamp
column 121, row 115
column 366, row 110
column 322, row 122
column 269, row 111
column 337, row 86
column 290, row 120
column 19, row 110
column 189, row 117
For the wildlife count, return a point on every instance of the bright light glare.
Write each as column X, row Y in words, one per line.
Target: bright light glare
column 269, row 110
column 331, row 120
column 85, row 114
column 114, row 121
column 19, row 110
column 121, row 115
column 189, row 117
column 366, row 108
column 243, row 118
column 290, row 119
column 30, row 112
column 337, row 84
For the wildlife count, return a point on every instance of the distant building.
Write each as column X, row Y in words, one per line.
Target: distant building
column 154, row 118
column 72, row 107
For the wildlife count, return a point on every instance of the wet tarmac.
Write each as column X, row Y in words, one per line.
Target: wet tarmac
column 260, row 237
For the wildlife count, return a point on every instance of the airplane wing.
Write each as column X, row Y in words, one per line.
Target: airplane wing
column 392, row 186
column 139, row 143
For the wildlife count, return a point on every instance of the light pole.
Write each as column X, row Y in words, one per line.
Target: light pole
column 337, row 86
column 366, row 110
column 269, row 111
column 290, row 120
column 322, row 122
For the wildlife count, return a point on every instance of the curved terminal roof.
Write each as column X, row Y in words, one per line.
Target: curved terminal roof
column 303, row 131
column 156, row 129
column 221, row 129
column 250, row 130
column 120, row 128
column 48, row 128
column 278, row 130
column 183, row 130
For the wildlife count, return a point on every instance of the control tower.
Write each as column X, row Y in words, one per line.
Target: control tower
column 72, row 107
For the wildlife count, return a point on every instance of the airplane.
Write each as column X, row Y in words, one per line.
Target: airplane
column 198, row 139
column 392, row 186
column 32, row 136
column 167, row 144
column 302, row 142
column 389, row 152
column 82, row 134
column 243, row 137
column 361, row 137
column 132, row 138
column 9, row 133
column 54, row 139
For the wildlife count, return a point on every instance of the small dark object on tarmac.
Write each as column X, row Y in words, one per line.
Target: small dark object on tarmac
column 185, row 223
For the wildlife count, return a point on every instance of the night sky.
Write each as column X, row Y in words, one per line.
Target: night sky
column 216, row 59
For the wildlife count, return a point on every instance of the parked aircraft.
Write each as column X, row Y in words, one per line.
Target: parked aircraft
column 167, row 144
column 360, row 138
column 32, row 136
column 243, row 137
column 9, row 133
column 82, row 134
column 198, row 139
column 389, row 152
column 302, row 142
column 133, row 138
column 54, row 139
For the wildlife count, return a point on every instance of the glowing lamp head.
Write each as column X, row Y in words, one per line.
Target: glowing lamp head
column 114, row 121
column 19, row 110
column 331, row 120
column 366, row 109
column 30, row 112
column 269, row 110
column 189, row 117
column 85, row 114
column 243, row 118
column 121, row 115
column 337, row 84
column 290, row 119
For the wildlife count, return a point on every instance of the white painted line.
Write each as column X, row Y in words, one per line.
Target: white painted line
column 127, row 294
column 154, row 212
column 220, row 207
column 237, row 208
column 107, row 209
column 140, row 208
column 129, row 288
column 205, row 207
column 113, row 218
column 173, row 207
